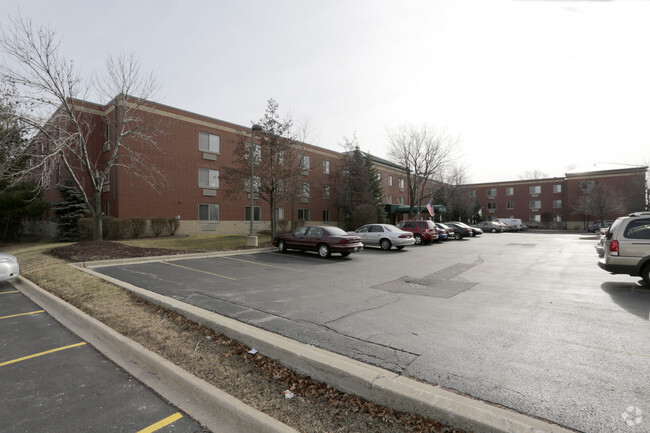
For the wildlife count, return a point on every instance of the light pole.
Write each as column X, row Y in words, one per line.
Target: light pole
column 251, row 240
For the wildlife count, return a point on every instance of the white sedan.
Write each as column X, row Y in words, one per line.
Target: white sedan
column 384, row 236
column 8, row 267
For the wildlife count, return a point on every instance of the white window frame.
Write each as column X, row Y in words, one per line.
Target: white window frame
column 209, row 142
column 211, row 208
column 510, row 190
column 535, row 204
column 212, row 178
column 535, row 189
column 257, row 213
column 306, row 214
column 491, row 192
column 326, row 166
column 557, row 204
column 326, row 192
column 557, row 188
column 304, row 162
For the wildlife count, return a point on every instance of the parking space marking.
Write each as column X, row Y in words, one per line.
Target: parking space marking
column 199, row 270
column 162, row 423
column 47, row 352
column 5, row 293
column 22, row 314
column 262, row 264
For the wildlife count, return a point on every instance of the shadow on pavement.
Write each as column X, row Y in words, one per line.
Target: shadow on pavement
column 634, row 297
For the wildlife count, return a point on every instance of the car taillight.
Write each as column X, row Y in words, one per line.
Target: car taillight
column 613, row 248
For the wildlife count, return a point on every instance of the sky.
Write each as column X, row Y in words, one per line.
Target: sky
column 523, row 85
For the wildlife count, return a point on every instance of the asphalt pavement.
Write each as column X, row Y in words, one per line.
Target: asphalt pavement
column 522, row 320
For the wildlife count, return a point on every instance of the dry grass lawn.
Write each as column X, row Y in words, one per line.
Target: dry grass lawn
column 254, row 379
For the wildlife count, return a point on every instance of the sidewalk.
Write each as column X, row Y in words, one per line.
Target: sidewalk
column 211, row 406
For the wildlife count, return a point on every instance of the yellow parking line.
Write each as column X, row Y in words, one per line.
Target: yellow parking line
column 24, row 358
column 22, row 314
column 262, row 264
column 160, row 424
column 198, row 270
column 4, row 293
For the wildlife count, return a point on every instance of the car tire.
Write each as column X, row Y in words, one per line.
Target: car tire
column 282, row 246
column 418, row 240
column 324, row 251
column 458, row 236
column 385, row 244
column 493, row 230
column 645, row 274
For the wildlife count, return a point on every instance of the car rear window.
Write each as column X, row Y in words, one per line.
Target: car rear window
column 638, row 229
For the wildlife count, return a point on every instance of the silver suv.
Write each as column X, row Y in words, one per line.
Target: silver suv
column 625, row 247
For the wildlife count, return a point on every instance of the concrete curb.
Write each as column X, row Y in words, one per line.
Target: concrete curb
column 366, row 381
column 213, row 408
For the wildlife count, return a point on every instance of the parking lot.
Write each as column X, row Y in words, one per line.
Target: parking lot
column 524, row 320
column 54, row 382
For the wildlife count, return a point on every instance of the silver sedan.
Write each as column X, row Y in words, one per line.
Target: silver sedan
column 384, row 236
column 8, row 267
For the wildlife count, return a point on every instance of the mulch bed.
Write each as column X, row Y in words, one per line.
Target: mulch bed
column 87, row 251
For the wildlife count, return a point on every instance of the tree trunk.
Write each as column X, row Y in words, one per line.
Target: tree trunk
column 97, row 217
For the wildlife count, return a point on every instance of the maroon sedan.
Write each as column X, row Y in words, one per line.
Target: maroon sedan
column 325, row 240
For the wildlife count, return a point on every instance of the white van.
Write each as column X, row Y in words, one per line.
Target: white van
column 514, row 223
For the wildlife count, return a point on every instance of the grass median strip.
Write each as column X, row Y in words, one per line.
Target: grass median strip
column 22, row 314
column 36, row 355
column 162, row 423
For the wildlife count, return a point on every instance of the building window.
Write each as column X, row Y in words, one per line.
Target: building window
column 390, row 180
column 279, row 213
column 379, row 176
column 107, row 208
column 510, row 191
column 510, row 205
column 557, row 188
column 306, row 192
column 257, row 152
column 257, row 213
column 208, row 212
column 209, row 142
column 304, row 215
column 256, row 185
column 535, row 204
column 303, row 162
column 208, row 178
column 534, row 190
column 535, row 218
column 390, row 198
column 472, row 193
column 326, row 215
column 326, row 192
column 557, row 218
column 401, row 200
column 557, row 204
column 491, row 192
column 587, row 185
column 326, row 166
column 492, row 206
column 401, row 185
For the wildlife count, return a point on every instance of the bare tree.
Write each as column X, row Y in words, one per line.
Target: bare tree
column 65, row 128
column 424, row 153
column 278, row 163
column 533, row 174
column 600, row 200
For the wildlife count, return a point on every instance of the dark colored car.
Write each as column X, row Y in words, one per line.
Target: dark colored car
column 424, row 231
column 461, row 230
column 444, row 232
column 325, row 240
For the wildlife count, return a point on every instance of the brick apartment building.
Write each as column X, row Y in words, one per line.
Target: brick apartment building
column 192, row 154
column 194, row 150
column 558, row 197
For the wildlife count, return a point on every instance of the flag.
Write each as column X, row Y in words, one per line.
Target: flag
column 480, row 212
column 430, row 208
